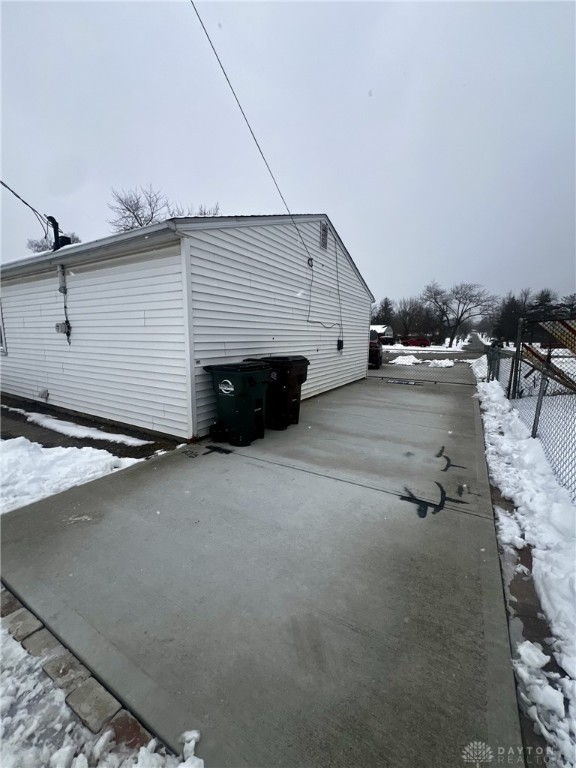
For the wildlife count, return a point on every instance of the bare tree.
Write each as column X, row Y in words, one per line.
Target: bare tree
column 457, row 305
column 134, row 208
column 46, row 243
column 408, row 316
column 524, row 299
column 486, row 324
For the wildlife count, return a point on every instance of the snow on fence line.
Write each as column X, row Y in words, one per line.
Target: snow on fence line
column 553, row 420
column 544, row 519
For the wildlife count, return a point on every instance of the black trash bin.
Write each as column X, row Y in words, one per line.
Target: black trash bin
column 241, row 398
column 289, row 372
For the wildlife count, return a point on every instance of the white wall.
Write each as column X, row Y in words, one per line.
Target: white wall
column 251, row 296
column 138, row 339
column 128, row 357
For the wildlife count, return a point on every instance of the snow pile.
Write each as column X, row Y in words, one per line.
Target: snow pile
column 459, row 343
column 544, row 518
column 70, row 429
column 480, row 368
column 509, row 530
column 545, row 702
column 433, row 349
column 446, row 363
column 405, row 360
column 30, row 472
column 37, row 728
column 413, row 360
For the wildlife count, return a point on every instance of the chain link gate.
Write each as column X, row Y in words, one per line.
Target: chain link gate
column 539, row 378
column 406, row 365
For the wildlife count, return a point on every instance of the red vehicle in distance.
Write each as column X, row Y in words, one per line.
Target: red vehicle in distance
column 415, row 341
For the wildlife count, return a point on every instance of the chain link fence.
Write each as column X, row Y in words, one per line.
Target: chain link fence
column 539, row 378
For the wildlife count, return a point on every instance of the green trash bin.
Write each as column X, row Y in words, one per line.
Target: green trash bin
column 288, row 374
column 241, row 400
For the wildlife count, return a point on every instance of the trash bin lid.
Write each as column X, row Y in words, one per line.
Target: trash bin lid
column 241, row 367
column 282, row 359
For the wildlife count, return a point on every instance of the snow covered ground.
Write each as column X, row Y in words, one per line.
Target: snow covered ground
column 413, row 360
column 433, row 348
column 70, row 429
column 544, row 518
column 557, row 421
column 30, row 472
column 38, row 730
column 479, row 367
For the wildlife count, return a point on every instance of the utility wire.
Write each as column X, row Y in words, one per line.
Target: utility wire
column 250, row 128
column 319, row 322
column 44, row 226
column 41, row 218
column 310, row 260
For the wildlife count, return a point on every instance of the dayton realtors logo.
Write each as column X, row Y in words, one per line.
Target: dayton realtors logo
column 477, row 753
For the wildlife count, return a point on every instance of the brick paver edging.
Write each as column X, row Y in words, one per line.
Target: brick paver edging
column 86, row 697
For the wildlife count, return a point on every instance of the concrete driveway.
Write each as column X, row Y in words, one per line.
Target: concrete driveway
column 329, row 596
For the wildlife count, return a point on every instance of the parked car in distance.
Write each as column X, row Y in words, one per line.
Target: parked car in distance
column 374, row 351
column 387, row 340
column 416, row 341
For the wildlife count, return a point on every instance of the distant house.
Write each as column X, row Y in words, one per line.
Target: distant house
column 121, row 328
column 385, row 332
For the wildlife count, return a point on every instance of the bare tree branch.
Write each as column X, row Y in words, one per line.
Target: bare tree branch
column 412, row 316
column 46, row 243
column 458, row 305
column 141, row 206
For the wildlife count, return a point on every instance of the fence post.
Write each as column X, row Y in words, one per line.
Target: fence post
column 541, row 393
column 510, row 378
column 515, row 372
column 490, row 359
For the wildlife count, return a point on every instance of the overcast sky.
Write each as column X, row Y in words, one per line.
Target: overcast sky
column 438, row 137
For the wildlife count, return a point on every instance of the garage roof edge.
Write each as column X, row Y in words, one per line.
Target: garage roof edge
column 155, row 236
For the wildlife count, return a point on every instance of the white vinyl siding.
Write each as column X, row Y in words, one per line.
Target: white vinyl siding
column 145, row 325
column 252, row 295
column 127, row 360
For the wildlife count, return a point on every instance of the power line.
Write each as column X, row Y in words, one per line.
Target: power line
column 310, row 260
column 250, row 127
column 41, row 218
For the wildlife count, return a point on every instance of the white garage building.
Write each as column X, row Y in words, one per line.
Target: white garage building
column 147, row 309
